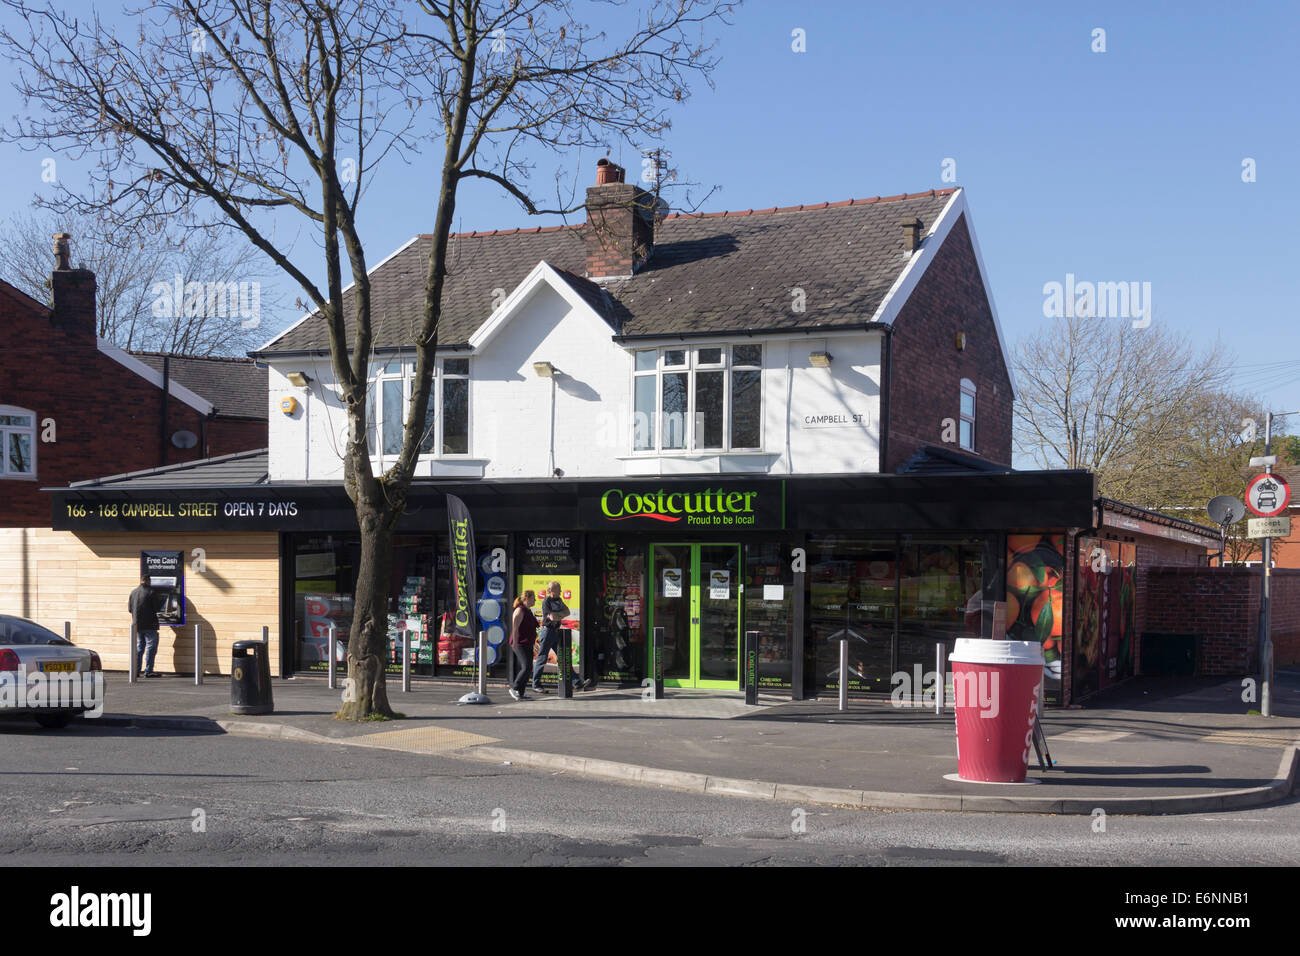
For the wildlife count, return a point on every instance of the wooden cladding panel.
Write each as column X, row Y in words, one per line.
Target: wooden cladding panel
column 56, row 576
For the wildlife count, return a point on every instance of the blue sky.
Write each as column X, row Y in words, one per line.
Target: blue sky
column 1122, row 165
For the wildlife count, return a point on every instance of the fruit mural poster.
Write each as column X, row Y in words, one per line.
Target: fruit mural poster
column 1035, row 598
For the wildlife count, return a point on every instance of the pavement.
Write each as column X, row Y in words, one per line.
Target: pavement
column 1179, row 745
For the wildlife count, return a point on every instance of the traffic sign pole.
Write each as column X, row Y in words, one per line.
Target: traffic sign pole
column 1265, row 640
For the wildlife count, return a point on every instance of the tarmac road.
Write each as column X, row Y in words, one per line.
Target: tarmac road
column 126, row 796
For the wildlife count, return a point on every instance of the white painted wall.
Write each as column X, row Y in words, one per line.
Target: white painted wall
column 510, row 407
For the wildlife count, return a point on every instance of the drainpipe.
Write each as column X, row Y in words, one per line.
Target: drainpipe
column 789, row 398
column 162, row 425
column 886, row 378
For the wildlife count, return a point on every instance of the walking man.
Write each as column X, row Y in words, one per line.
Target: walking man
column 144, row 614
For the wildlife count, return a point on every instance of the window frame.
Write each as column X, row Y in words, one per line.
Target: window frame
column 6, row 431
column 380, row 374
column 693, row 424
column 967, row 388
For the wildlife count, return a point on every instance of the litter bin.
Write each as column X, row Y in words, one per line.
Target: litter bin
column 997, row 688
column 250, row 679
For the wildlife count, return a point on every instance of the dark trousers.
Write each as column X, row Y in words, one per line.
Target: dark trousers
column 523, row 665
column 550, row 642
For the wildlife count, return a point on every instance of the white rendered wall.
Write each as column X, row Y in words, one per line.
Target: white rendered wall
column 815, row 420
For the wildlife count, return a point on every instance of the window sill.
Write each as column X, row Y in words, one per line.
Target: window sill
column 694, row 463
column 742, row 452
column 17, row 477
column 428, row 466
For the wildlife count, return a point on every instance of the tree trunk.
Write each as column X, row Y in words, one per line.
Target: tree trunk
column 367, row 694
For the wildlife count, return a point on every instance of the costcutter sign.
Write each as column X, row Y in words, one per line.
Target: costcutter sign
column 735, row 506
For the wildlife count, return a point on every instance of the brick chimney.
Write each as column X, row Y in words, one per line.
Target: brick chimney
column 620, row 224
column 73, row 291
column 911, row 234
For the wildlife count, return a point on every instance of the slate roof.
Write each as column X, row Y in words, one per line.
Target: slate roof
column 932, row 460
column 240, row 468
column 236, row 387
column 715, row 272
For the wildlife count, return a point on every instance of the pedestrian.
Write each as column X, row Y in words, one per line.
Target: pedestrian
column 554, row 611
column 523, row 635
column 143, row 606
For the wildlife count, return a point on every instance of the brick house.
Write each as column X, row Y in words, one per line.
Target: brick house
column 73, row 406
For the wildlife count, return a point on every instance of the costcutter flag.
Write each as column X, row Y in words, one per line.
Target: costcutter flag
column 463, row 563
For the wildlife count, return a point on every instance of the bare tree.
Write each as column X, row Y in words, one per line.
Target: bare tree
column 1155, row 419
column 136, row 275
column 245, row 108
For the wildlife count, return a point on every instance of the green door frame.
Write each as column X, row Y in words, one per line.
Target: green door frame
column 696, row 596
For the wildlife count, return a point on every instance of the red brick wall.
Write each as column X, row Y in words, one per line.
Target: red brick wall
column 106, row 416
column 1155, row 553
column 927, row 369
column 1221, row 607
column 229, row 435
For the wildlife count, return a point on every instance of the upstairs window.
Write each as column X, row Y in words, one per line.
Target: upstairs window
column 967, row 428
column 702, row 398
column 445, row 434
column 17, row 442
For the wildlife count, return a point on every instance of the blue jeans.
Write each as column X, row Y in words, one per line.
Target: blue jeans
column 146, row 648
column 550, row 641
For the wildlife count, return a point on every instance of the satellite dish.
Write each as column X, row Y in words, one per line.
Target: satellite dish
column 1225, row 509
column 184, row 439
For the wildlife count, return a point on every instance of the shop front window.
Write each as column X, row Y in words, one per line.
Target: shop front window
column 893, row 599
column 324, row 578
column 616, row 568
column 546, row 558
column 769, row 609
column 941, row 596
column 419, row 600
column 852, row 596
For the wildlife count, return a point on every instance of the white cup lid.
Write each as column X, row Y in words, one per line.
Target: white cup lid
column 982, row 650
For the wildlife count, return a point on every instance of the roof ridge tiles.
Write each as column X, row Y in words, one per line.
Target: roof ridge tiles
column 200, row 358
column 479, row 234
column 802, row 207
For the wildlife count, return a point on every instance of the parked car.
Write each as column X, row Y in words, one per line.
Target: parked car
column 28, row 649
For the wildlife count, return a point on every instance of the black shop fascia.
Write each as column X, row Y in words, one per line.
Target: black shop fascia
column 893, row 564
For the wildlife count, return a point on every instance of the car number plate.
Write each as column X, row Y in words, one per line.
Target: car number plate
column 48, row 666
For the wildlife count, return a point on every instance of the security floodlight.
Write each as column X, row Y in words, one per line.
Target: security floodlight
column 821, row 359
column 544, row 369
column 300, row 379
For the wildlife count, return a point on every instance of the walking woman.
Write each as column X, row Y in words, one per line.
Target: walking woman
column 523, row 635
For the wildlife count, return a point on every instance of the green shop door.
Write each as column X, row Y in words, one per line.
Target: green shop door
column 697, row 603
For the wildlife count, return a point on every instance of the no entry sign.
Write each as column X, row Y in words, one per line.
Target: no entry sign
column 1268, row 495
